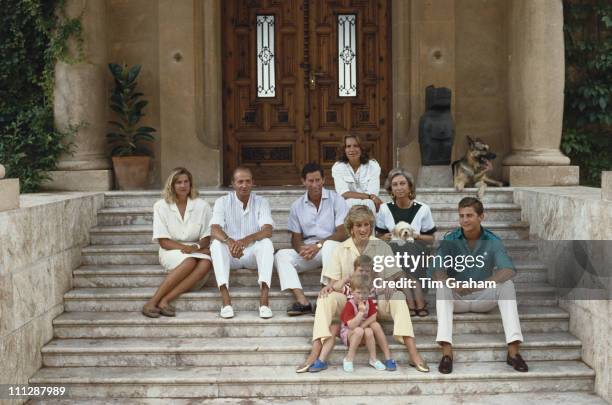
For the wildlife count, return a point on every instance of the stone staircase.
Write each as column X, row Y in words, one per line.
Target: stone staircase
column 103, row 347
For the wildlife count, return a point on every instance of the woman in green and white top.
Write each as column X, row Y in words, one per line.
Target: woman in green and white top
column 404, row 207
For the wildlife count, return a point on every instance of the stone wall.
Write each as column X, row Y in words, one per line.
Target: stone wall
column 40, row 246
column 133, row 38
column 577, row 213
column 481, row 73
column 462, row 45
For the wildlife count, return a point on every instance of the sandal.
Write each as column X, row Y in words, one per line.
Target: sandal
column 421, row 312
column 151, row 312
column 412, row 311
column 168, row 310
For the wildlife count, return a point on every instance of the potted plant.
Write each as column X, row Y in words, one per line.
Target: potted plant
column 129, row 142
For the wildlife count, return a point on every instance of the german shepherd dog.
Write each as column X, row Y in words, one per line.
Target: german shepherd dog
column 471, row 170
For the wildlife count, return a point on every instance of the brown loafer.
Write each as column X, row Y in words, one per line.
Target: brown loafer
column 517, row 363
column 446, row 365
column 167, row 310
column 151, row 312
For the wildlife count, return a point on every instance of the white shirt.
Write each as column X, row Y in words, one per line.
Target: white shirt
column 423, row 220
column 239, row 222
column 365, row 180
column 317, row 224
column 168, row 223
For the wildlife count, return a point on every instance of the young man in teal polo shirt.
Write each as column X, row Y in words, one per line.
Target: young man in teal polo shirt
column 474, row 274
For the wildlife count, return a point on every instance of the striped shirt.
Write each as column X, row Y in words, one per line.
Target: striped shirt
column 239, row 222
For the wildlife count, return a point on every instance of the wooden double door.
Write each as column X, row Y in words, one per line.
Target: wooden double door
column 298, row 75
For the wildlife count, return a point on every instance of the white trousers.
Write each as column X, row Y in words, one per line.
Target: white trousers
column 289, row 263
column 504, row 296
column 258, row 255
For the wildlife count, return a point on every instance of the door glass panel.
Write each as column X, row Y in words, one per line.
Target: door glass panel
column 265, row 56
column 347, row 56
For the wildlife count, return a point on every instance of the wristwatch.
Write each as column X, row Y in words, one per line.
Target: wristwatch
column 319, row 245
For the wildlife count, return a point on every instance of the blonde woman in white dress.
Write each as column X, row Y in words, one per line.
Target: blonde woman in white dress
column 356, row 175
column 181, row 226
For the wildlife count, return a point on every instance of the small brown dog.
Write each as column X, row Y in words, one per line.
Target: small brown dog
column 471, row 170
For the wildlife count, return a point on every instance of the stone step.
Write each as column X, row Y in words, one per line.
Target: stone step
column 285, row 196
column 110, row 276
column 282, row 381
column 521, row 251
column 243, row 298
column 141, row 234
column 496, row 212
column 204, row 324
column 285, row 351
column 533, row 398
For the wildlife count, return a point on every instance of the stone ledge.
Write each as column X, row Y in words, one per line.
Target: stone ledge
column 606, row 186
column 541, row 176
column 435, row 176
column 9, row 194
column 81, row 180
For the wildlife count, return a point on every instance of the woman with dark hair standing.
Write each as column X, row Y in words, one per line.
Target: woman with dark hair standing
column 181, row 226
column 404, row 207
column 356, row 175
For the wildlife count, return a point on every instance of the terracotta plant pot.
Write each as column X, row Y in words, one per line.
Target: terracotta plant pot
column 132, row 172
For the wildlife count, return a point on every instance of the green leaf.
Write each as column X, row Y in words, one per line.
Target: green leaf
column 116, row 70
column 118, row 125
column 146, row 129
column 140, row 105
column 141, row 136
column 133, row 73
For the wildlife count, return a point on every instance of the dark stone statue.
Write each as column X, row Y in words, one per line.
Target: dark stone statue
column 436, row 127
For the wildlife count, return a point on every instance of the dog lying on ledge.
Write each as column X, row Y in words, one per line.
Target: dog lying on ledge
column 472, row 169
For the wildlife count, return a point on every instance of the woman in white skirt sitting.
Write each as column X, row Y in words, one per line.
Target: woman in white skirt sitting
column 356, row 176
column 181, row 226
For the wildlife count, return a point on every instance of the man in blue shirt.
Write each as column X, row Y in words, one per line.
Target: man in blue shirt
column 476, row 274
column 316, row 224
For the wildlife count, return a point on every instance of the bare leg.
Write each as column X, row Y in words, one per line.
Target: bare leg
column 200, row 270
column 447, row 349
column 225, row 295
column 409, row 299
column 354, row 339
column 370, row 342
column 513, row 348
column 171, row 281
column 412, row 350
column 381, row 339
column 263, row 298
column 314, row 352
column 419, row 297
column 327, row 348
column 299, row 296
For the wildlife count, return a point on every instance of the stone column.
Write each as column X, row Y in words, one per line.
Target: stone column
column 80, row 98
column 536, row 84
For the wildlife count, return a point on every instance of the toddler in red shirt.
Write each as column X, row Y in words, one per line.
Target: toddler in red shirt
column 359, row 325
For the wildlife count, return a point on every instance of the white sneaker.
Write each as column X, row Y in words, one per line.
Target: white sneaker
column 227, row 312
column 265, row 312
